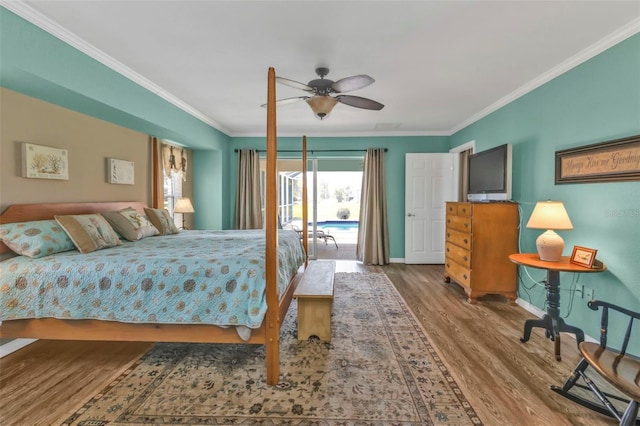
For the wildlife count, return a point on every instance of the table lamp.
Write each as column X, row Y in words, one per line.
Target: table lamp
column 550, row 215
column 183, row 205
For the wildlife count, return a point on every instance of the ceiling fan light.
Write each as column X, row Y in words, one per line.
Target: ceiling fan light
column 321, row 105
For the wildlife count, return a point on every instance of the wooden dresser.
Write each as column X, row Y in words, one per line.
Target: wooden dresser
column 479, row 239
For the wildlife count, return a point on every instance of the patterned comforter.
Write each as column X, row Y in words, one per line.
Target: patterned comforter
column 204, row 277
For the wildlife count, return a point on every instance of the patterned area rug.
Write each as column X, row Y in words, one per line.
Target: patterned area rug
column 378, row 369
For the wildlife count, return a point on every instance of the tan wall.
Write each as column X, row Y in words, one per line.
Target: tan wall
column 89, row 142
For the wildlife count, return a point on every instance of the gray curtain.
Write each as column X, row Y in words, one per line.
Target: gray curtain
column 248, row 205
column 373, row 233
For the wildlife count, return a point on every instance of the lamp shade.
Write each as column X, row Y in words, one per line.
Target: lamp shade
column 183, row 205
column 549, row 215
column 322, row 105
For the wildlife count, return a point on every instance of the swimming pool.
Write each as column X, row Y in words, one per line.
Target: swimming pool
column 339, row 224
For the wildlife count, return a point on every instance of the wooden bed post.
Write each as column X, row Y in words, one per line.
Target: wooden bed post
column 272, row 336
column 305, row 216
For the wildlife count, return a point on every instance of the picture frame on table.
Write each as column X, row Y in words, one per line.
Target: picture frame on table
column 583, row 256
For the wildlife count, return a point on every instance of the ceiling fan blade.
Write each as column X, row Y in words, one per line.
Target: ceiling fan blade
column 294, row 84
column 286, row 101
column 352, row 83
column 358, row 102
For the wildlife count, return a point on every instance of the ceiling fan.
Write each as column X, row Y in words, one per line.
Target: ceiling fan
column 321, row 89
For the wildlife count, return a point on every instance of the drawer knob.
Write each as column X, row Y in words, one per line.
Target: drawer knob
column 448, row 249
column 465, row 258
column 465, row 276
column 466, row 241
column 448, row 234
column 466, row 225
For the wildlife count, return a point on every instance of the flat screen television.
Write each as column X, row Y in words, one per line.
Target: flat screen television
column 490, row 174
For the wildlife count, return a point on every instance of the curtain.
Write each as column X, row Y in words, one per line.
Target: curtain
column 157, row 181
column 464, row 175
column 174, row 160
column 248, row 204
column 373, row 233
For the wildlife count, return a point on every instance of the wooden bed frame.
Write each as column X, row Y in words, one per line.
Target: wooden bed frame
column 268, row 334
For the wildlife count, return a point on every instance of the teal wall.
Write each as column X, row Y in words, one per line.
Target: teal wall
column 594, row 102
column 397, row 147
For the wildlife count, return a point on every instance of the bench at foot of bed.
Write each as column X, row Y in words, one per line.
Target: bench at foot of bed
column 315, row 297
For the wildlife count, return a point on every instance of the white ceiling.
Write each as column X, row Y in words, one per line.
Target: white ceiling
column 438, row 65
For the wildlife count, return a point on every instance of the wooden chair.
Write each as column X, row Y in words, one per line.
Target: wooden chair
column 619, row 368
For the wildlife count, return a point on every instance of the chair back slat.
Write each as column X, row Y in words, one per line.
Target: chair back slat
column 627, row 337
column 604, row 322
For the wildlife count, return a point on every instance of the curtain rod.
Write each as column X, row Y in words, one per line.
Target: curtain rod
column 316, row 150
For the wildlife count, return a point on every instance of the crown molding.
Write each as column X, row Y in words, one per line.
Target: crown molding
column 320, row 134
column 41, row 21
column 609, row 41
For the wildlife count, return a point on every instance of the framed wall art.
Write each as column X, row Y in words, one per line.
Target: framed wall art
column 119, row 171
column 616, row 160
column 44, row 162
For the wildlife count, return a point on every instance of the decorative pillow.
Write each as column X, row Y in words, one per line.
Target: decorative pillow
column 89, row 232
column 35, row 239
column 162, row 220
column 130, row 224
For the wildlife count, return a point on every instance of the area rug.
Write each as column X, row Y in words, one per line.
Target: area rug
column 378, row 369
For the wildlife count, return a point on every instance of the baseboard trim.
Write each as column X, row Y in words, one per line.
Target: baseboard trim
column 14, row 345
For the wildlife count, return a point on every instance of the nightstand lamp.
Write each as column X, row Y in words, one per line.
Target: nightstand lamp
column 183, row 205
column 550, row 215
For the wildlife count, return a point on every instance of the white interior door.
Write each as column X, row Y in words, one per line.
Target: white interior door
column 429, row 183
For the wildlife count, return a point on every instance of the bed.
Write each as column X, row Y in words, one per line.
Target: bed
column 264, row 326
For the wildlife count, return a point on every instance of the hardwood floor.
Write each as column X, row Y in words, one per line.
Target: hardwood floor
column 506, row 381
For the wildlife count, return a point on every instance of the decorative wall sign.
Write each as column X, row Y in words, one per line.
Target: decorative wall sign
column 43, row 162
column 120, row 171
column 617, row 160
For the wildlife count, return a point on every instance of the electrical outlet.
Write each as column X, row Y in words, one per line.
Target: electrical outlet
column 588, row 293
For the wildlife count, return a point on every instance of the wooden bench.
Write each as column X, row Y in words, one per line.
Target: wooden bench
column 315, row 297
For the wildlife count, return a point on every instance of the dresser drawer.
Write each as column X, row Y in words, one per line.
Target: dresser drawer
column 452, row 209
column 464, row 209
column 458, row 273
column 459, row 223
column 458, row 254
column 459, row 238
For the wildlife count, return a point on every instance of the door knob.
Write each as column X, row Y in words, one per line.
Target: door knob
column 410, row 214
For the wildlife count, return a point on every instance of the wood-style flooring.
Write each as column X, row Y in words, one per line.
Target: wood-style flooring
column 507, row 382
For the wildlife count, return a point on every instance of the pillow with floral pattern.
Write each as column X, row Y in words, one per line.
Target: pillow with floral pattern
column 132, row 225
column 36, row 239
column 162, row 220
column 89, row 232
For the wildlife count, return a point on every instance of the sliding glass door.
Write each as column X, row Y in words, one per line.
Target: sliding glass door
column 333, row 191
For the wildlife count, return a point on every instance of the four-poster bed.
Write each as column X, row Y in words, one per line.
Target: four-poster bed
column 277, row 301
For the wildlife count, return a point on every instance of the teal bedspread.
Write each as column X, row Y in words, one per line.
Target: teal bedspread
column 196, row 277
